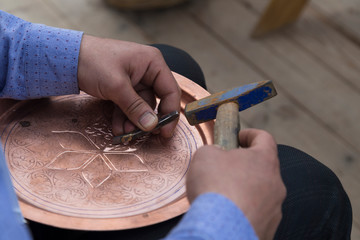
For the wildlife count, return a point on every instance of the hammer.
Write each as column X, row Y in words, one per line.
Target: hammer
column 225, row 107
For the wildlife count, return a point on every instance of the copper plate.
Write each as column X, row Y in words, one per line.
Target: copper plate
column 67, row 174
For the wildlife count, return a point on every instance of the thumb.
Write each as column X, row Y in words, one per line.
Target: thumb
column 135, row 108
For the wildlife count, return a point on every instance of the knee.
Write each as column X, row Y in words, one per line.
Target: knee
column 307, row 178
column 315, row 196
column 296, row 164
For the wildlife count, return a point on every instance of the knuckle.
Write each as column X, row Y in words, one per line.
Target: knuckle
column 152, row 51
column 178, row 89
column 135, row 106
column 156, row 52
column 269, row 138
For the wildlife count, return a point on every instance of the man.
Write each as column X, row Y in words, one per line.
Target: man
column 243, row 202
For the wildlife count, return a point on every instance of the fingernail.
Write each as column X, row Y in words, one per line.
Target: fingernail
column 147, row 120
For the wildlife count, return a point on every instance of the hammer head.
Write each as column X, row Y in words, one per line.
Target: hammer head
column 246, row 96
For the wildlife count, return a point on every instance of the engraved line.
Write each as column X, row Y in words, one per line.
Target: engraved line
column 132, row 171
column 112, row 165
column 82, row 173
column 123, row 153
column 56, row 158
column 102, row 157
column 104, row 180
column 109, row 175
column 91, row 159
column 88, row 139
column 141, row 160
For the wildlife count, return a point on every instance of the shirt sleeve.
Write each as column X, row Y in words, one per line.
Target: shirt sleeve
column 213, row 217
column 12, row 223
column 36, row 60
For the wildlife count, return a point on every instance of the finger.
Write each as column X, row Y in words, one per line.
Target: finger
column 200, row 167
column 202, row 154
column 168, row 103
column 167, row 131
column 128, row 126
column 251, row 138
column 121, row 124
column 149, row 96
column 118, row 120
column 166, row 88
column 134, row 106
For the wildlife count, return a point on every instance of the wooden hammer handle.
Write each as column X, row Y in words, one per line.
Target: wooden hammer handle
column 227, row 126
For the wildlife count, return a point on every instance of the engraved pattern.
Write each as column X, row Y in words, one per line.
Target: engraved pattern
column 96, row 164
column 61, row 159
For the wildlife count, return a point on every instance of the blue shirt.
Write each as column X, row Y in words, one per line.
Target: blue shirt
column 39, row 61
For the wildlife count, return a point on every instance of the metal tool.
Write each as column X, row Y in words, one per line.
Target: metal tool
column 225, row 106
column 136, row 134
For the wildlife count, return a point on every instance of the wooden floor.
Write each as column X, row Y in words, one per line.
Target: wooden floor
column 315, row 64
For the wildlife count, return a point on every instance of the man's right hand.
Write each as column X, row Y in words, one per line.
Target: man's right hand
column 249, row 176
column 132, row 76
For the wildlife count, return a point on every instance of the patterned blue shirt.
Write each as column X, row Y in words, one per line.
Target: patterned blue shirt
column 39, row 61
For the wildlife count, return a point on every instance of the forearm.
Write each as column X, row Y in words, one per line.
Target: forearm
column 37, row 60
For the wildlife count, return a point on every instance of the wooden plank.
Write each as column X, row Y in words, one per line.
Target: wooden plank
column 37, row 12
column 11, row 5
column 291, row 77
column 355, row 233
column 279, row 13
column 96, row 18
column 322, row 92
column 344, row 15
column 330, row 47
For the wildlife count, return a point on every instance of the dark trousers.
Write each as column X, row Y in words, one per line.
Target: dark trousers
column 316, row 206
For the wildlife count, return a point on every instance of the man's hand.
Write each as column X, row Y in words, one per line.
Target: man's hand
column 131, row 75
column 249, row 176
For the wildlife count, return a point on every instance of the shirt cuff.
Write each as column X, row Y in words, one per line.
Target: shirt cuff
column 213, row 216
column 51, row 61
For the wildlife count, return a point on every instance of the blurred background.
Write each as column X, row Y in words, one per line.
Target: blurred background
column 314, row 63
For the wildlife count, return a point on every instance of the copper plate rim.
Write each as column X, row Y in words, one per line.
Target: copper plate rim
column 176, row 208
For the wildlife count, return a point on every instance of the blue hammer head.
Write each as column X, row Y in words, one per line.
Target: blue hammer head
column 245, row 96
